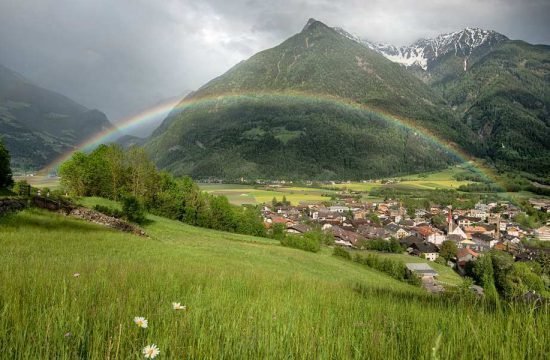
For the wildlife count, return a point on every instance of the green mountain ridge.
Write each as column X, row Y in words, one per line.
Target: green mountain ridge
column 266, row 136
column 503, row 97
column 37, row 124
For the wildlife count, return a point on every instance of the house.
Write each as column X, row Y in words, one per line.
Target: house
column 429, row 234
column 474, row 229
column 422, row 270
column 407, row 241
column 543, row 233
column 298, row 229
column 426, row 250
column 513, row 231
column 466, row 243
column 466, row 221
column 346, row 237
column 372, row 232
column 456, row 230
column 465, row 255
column 483, row 242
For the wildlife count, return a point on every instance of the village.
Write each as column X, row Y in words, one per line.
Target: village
column 354, row 224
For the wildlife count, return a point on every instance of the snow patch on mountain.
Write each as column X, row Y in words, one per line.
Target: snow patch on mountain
column 423, row 52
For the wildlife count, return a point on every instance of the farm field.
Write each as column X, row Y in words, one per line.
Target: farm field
column 40, row 181
column 71, row 289
column 428, row 181
column 247, row 194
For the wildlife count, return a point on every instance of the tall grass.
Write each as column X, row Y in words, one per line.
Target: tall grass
column 247, row 298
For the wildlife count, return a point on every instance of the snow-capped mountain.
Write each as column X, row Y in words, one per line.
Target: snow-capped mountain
column 424, row 52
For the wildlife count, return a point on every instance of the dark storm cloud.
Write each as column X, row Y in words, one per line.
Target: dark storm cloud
column 123, row 55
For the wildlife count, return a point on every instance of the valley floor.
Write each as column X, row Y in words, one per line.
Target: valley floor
column 246, row 298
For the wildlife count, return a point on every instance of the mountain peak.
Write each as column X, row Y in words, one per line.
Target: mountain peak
column 311, row 23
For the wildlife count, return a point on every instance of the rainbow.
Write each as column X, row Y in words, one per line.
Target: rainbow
column 164, row 109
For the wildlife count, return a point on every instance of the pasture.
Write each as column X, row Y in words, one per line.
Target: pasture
column 71, row 289
column 248, row 194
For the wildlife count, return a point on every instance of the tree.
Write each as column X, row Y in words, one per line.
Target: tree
column 222, row 214
column 374, row 218
column 438, row 220
column 274, row 202
column 114, row 157
column 285, row 202
column 278, row 231
column 75, row 174
column 448, row 250
column 143, row 173
column 6, row 179
column 133, row 210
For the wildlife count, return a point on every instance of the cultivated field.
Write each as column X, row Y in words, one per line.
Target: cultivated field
column 246, row 194
column 70, row 289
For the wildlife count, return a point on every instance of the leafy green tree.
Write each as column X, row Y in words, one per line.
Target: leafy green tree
column 373, row 217
column 75, row 174
column 278, row 231
column 133, row 210
column 114, row 158
column 223, row 217
column 448, row 250
column 143, row 173
column 438, row 220
column 285, row 202
column 250, row 221
column 6, row 179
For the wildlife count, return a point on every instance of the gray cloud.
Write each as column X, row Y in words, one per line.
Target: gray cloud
column 121, row 56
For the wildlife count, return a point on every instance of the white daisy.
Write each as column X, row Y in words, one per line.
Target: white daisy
column 178, row 306
column 151, row 351
column 140, row 321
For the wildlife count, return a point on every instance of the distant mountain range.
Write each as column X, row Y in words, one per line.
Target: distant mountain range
column 37, row 124
column 473, row 88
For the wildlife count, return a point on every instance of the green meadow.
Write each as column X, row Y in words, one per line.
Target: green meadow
column 40, row 181
column 246, row 298
column 247, row 194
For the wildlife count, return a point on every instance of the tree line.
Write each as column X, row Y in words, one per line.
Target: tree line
column 118, row 174
column 6, row 179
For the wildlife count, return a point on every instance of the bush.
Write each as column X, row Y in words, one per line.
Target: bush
column 133, row 210
column 341, row 252
column 394, row 268
column 116, row 213
column 307, row 243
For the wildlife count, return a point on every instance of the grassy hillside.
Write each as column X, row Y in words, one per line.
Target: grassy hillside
column 246, row 298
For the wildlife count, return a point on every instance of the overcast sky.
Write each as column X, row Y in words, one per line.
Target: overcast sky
column 121, row 56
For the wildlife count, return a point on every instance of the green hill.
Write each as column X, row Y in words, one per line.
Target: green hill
column 38, row 124
column 285, row 135
column 246, row 298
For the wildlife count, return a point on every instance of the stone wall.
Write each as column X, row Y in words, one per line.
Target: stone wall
column 9, row 205
column 102, row 219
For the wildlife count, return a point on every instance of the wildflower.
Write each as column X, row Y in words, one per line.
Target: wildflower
column 140, row 322
column 151, row 351
column 76, row 274
column 178, row 306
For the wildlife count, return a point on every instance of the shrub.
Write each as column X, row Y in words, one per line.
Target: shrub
column 392, row 267
column 341, row 252
column 307, row 243
column 133, row 210
column 116, row 213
